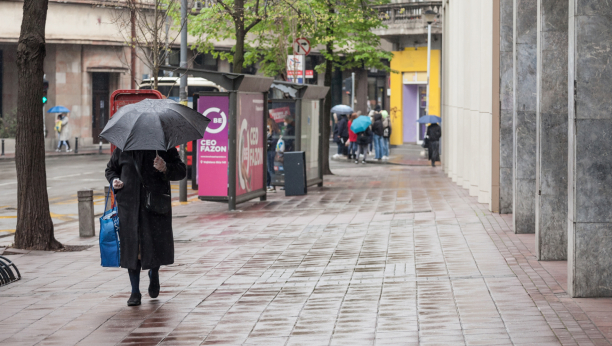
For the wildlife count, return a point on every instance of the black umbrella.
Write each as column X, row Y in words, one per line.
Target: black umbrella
column 154, row 125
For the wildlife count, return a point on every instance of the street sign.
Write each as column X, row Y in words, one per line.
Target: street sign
column 301, row 46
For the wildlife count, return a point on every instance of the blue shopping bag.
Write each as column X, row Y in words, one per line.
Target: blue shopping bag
column 109, row 234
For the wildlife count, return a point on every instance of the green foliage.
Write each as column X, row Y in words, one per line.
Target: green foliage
column 8, row 125
column 341, row 30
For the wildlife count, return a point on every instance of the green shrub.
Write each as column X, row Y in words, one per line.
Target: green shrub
column 8, row 125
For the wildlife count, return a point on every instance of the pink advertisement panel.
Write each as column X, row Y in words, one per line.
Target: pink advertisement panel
column 251, row 143
column 213, row 149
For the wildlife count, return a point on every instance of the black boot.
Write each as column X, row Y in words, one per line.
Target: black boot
column 134, row 299
column 135, row 281
column 154, row 284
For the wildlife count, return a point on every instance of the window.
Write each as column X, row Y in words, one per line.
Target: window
column 206, row 62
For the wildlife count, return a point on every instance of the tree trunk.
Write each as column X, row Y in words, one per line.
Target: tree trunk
column 329, row 66
column 34, row 224
column 239, row 53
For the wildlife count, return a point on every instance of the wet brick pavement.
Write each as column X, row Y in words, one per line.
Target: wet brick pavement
column 381, row 255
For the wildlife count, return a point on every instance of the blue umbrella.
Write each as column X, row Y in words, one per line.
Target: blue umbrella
column 342, row 109
column 429, row 119
column 58, row 109
column 361, row 123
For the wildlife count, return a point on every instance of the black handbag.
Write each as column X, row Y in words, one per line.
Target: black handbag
column 425, row 143
column 155, row 202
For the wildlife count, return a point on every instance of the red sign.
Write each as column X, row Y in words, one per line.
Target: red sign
column 309, row 74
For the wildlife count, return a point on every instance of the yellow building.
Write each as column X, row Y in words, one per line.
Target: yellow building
column 409, row 90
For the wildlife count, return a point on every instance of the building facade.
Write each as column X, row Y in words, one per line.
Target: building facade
column 526, row 98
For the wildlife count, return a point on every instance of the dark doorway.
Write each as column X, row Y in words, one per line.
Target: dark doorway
column 100, row 103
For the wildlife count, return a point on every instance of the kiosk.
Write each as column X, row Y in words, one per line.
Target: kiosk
column 229, row 161
column 302, row 104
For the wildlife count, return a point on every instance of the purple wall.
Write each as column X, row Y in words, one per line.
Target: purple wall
column 410, row 109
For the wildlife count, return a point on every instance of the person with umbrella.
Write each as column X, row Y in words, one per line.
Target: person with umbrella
column 62, row 127
column 361, row 126
column 433, row 134
column 140, row 171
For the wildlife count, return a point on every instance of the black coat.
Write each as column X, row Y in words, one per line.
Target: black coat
column 363, row 138
column 434, row 131
column 136, row 224
column 343, row 127
column 377, row 125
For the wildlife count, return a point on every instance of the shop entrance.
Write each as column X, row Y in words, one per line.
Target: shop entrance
column 100, row 103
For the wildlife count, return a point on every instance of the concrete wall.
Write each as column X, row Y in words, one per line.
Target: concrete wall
column 468, row 98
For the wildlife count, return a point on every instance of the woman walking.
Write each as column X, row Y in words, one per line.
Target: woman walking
column 434, row 132
column 273, row 136
column 146, row 232
column 63, row 128
column 352, row 141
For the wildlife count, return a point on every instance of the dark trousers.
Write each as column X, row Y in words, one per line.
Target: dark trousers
column 271, row 155
column 434, row 151
column 135, row 277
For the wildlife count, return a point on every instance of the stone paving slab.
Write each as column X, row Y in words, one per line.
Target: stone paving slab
column 381, row 255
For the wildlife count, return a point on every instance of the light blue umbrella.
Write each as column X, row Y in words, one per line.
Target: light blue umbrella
column 58, row 109
column 342, row 109
column 361, row 123
column 429, row 119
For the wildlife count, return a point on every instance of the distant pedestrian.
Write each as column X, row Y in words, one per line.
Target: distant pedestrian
column 386, row 134
column 434, row 133
column 146, row 232
column 378, row 131
column 353, row 147
column 62, row 126
column 273, row 135
column 363, row 138
column 342, row 136
column 371, row 138
column 289, row 134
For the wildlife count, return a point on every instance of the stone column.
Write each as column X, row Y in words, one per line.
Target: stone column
column 590, row 148
column 551, row 139
column 524, row 118
column 506, row 73
column 473, row 84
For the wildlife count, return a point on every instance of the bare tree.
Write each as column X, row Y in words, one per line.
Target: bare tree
column 143, row 25
column 34, row 224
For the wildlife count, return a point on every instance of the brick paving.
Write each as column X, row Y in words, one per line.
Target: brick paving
column 381, row 255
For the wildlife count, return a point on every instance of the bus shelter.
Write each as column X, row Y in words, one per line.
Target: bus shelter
column 229, row 163
column 297, row 110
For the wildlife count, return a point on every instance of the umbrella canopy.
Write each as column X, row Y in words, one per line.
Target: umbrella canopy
column 361, row 123
column 154, row 125
column 58, row 109
column 342, row 109
column 429, row 119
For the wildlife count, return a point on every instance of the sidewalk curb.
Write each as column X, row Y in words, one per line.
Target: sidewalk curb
column 48, row 154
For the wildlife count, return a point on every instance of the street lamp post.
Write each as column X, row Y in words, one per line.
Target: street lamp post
column 430, row 17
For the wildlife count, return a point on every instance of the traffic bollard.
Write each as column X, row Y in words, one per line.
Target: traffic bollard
column 2, row 154
column 76, row 145
column 86, row 213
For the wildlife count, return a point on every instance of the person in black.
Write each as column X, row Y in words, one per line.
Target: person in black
column 146, row 237
column 342, row 135
column 434, row 132
column 362, row 140
column 271, row 151
column 289, row 134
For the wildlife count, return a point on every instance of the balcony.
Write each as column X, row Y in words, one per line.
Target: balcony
column 405, row 18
